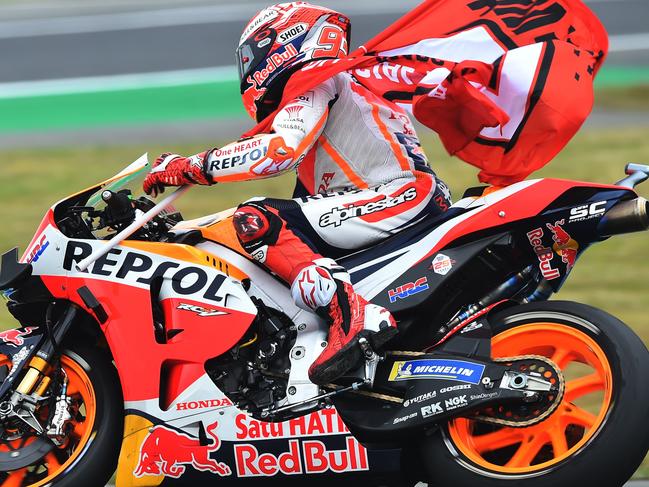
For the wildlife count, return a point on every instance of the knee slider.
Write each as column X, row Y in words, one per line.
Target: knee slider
column 256, row 225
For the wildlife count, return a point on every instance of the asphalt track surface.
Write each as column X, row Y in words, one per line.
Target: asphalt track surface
column 160, row 37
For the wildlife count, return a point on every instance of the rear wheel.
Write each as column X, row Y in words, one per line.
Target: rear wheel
column 597, row 436
column 87, row 452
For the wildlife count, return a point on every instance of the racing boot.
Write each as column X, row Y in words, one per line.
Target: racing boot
column 325, row 287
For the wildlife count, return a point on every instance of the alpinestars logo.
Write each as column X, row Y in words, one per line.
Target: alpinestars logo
column 338, row 215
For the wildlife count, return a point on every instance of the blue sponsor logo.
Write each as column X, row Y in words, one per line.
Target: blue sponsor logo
column 457, row 370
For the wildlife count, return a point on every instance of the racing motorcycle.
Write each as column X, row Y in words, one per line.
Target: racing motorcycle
column 156, row 347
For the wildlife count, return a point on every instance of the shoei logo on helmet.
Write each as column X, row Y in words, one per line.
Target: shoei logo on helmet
column 262, row 17
column 290, row 34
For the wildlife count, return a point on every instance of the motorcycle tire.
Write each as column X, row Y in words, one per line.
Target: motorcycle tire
column 597, row 437
column 94, row 433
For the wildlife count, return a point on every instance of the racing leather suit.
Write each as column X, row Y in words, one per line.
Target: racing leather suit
column 362, row 176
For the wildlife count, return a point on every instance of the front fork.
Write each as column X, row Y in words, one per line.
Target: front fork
column 39, row 365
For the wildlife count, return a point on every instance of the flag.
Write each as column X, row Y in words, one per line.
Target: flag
column 504, row 83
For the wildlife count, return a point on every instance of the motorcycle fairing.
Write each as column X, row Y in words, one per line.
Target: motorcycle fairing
column 489, row 213
column 121, row 281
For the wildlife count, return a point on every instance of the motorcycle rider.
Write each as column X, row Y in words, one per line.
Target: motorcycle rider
column 362, row 175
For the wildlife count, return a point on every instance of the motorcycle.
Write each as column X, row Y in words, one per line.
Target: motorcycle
column 156, row 347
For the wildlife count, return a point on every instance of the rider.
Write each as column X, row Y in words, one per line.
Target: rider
column 362, row 175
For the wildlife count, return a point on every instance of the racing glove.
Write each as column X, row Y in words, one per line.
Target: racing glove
column 174, row 170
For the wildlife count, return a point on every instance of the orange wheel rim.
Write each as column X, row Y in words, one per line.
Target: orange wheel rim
column 55, row 462
column 583, row 410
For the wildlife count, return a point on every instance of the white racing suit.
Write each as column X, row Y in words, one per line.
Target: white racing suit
column 362, row 176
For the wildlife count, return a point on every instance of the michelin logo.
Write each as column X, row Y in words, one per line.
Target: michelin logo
column 457, row 370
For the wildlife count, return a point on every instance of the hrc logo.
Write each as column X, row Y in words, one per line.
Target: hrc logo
column 408, row 289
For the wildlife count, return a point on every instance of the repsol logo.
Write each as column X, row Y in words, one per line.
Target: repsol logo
column 135, row 266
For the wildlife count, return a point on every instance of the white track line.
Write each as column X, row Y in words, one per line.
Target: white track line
column 221, row 74
column 629, row 42
column 66, row 86
column 172, row 17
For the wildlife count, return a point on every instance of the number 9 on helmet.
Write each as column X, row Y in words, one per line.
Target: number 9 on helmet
column 278, row 41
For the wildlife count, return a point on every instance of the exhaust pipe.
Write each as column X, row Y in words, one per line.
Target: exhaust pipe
column 625, row 217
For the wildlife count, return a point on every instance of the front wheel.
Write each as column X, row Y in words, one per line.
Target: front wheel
column 598, row 435
column 86, row 454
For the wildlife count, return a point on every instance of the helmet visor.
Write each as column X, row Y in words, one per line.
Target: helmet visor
column 253, row 51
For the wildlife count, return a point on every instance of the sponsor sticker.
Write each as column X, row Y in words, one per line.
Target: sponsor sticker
column 586, row 212
column 200, row 311
column 168, row 452
column 264, row 16
column 458, row 387
column 203, row 404
column 421, row 398
column 480, row 397
column 289, row 34
column 338, row 215
column 564, row 245
column 455, row 402
column 38, row 250
column 431, row 410
column 457, row 370
column 476, row 325
column 409, row 289
column 405, row 418
column 543, row 253
column 14, row 337
column 442, row 264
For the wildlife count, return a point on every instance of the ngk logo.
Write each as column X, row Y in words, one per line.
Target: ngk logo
column 311, row 457
column 455, row 402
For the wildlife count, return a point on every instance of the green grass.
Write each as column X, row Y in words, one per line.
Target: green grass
column 633, row 98
column 613, row 275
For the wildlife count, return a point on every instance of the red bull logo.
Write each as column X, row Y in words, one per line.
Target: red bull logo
column 168, row 452
column 15, row 337
column 564, row 245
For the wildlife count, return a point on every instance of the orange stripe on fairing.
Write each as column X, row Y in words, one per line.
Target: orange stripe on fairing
column 342, row 163
column 188, row 254
column 394, row 145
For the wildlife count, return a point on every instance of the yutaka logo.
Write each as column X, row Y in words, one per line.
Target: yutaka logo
column 457, row 370
column 338, row 215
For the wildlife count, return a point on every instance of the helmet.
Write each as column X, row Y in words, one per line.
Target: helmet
column 277, row 42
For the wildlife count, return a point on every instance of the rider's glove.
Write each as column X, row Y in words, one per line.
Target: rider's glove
column 174, row 170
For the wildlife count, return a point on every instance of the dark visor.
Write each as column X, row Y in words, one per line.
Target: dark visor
column 254, row 51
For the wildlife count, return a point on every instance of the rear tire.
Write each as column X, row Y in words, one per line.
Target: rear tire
column 605, row 454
